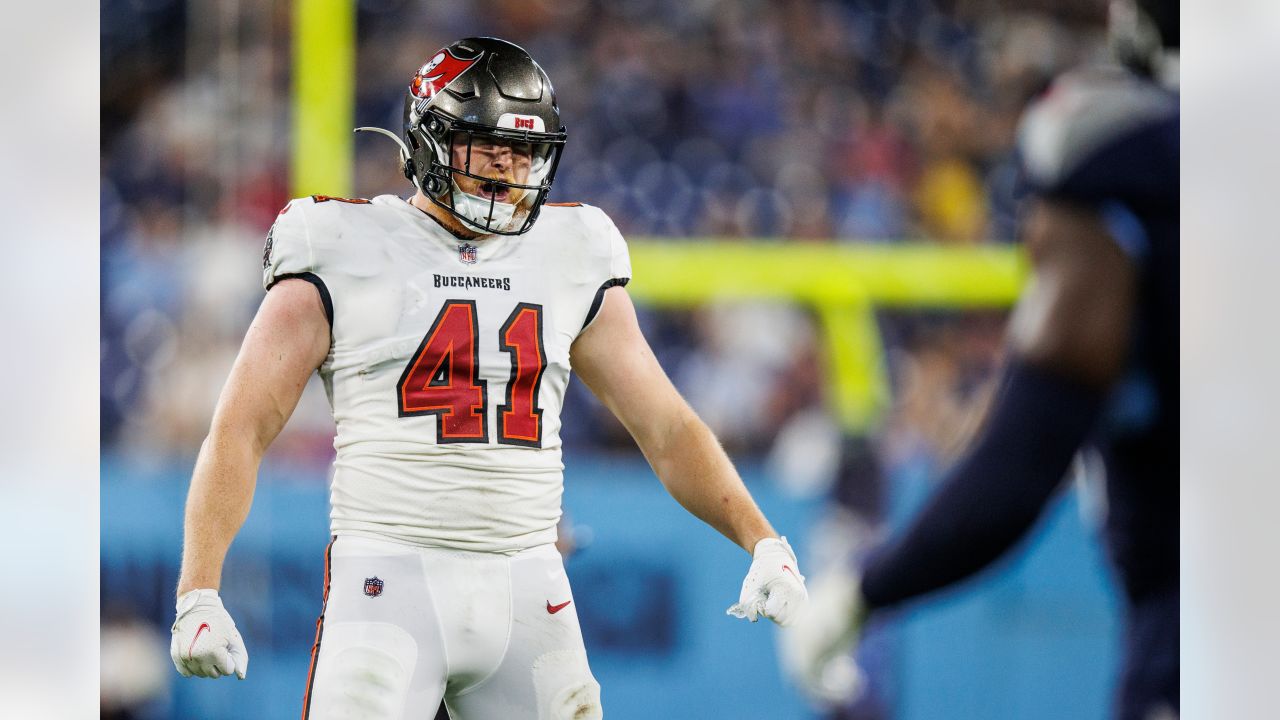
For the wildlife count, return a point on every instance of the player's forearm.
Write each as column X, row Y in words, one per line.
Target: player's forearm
column 699, row 475
column 218, row 502
column 994, row 493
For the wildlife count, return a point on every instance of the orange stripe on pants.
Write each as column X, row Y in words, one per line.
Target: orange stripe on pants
column 315, row 648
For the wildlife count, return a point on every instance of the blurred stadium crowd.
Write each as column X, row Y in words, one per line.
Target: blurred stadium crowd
column 799, row 121
column 796, row 121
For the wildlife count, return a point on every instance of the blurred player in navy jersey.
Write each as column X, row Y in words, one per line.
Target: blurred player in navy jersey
column 1093, row 361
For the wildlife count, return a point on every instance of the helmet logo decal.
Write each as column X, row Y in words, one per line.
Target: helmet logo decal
column 513, row 121
column 436, row 75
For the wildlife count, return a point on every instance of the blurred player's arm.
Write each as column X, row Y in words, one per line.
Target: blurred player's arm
column 615, row 361
column 1068, row 340
column 288, row 340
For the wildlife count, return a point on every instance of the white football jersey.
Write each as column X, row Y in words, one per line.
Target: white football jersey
column 449, row 362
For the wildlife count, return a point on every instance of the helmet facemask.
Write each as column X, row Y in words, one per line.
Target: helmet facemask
column 506, row 194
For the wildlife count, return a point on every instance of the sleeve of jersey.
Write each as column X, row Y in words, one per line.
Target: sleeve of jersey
column 289, row 253
column 993, row 495
column 615, row 265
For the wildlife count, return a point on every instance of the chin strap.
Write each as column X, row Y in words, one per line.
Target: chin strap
column 405, row 157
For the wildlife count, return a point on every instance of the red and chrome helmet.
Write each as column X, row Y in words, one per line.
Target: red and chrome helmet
column 481, row 91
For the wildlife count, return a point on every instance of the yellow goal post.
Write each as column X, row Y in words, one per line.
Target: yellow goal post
column 842, row 283
column 323, row 98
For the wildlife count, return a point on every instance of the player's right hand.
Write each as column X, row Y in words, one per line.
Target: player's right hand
column 816, row 652
column 205, row 640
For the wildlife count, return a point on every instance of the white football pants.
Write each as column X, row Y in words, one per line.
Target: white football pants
column 495, row 635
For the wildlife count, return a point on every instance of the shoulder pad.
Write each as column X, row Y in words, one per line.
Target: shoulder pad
column 1081, row 113
column 601, row 244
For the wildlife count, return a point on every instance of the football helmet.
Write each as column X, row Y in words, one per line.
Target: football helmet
column 473, row 97
column 1144, row 37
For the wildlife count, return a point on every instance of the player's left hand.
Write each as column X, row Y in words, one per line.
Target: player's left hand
column 205, row 641
column 774, row 587
column 817, row 652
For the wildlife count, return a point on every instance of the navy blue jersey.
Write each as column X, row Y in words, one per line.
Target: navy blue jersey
column 1108, row 139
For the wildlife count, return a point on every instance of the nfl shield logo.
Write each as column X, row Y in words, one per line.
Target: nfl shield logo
column 372, row 587
column 467, row 253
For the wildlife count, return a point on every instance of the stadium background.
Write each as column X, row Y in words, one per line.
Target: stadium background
column 802, row 129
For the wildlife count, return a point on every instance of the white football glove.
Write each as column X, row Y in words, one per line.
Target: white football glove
column 816, row 651
column 205, row 640
column 774, row 587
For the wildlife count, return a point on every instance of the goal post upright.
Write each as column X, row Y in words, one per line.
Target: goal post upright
column 323, row 97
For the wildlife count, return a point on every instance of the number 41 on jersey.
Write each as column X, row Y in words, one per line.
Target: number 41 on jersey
column 443, row 377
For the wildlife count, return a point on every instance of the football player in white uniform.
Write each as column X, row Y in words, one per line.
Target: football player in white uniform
column 444, row 328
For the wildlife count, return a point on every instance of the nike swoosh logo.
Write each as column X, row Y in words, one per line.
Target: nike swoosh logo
column 553, row 609
column 788, row 569
column 203, row 627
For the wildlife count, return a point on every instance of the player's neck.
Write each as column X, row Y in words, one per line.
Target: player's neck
column 444, row 217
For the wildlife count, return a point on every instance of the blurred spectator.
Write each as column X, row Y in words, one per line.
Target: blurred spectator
column 942, row 378
column 135, row 668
